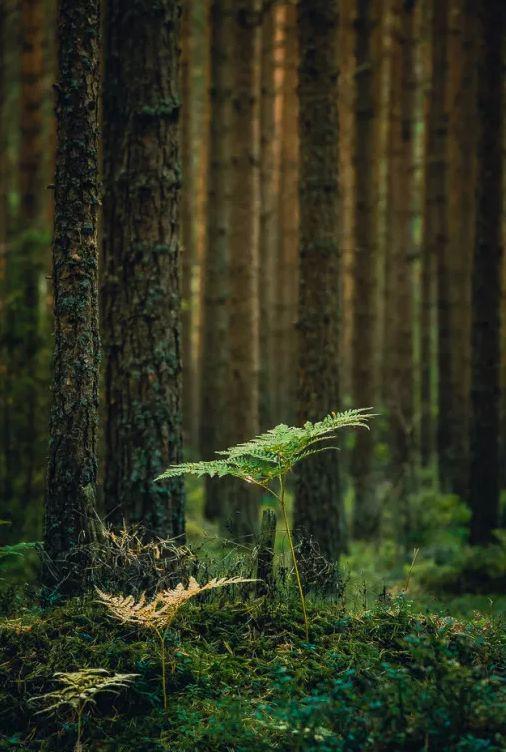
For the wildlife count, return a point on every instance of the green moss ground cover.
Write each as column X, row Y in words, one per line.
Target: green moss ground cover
column 242, row 679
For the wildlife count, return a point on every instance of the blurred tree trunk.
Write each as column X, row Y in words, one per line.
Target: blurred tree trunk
column 141, row 294
column 489, row 25
column 318, row 512
column 347, row 193
column 434, row 278
column 454, row 274
column 289, row 224
column 399, row 276
column 214, row 423
column 243, row 202
column 72, row 468
column 269, row 227
column 366, row 510
column 32, row 246
column 187, row 227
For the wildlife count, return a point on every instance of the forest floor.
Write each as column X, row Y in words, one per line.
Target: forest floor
column 388, row 665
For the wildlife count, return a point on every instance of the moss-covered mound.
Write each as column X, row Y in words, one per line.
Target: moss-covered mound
column 241, row 678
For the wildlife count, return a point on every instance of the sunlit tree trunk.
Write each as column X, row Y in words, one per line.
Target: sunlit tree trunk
column 214, row 423
column 269, row 227
column 72, row 468
column 318, row 506
column 289, row 225
column 141, row 292
column 243, row 201
column 489, row 24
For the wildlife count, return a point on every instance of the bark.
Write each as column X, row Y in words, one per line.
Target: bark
column 318, row 505
column 366, row 510
column 141, row 289
column 455, row 270
column 243, row 203
column 485, row 335
column 32, row 248
column 435, row 250
column 269, row 228
column 187, row 227
column 214, row 428
column 72, row 467
column 286, row 346
column 399, row 293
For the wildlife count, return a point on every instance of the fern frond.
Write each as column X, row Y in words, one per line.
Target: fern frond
column 80, row 687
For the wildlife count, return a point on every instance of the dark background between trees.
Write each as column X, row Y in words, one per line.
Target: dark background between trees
column 303, row 211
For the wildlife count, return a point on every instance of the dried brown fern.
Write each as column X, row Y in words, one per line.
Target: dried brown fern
column 158, row 613
column 79, row 689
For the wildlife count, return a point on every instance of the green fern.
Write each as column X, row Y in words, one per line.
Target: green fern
column 274, row 453
column 271, row 456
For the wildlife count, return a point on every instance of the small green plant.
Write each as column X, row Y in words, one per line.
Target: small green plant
column 79, row 689
column 158, row 613
column 269, row 458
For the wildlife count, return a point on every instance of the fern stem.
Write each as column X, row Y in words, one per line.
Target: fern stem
column 161, row 637
column 294, row 556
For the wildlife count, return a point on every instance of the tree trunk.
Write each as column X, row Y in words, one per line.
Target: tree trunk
column 486, row 290
column 434, row 281
column 455, row 270
column 286, row 294
column 214, row 425
column 72, row 468
column 318, row 504
column 366, row 510
column 269, row 227
column 399, row 294
column 243, row 202
column 188, row 235
column 141, row 295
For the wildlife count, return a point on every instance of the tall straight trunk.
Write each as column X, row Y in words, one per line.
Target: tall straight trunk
column 72, row 467
column 455, row 267
column 434, row 267
column 346, row 116
column 214, row 424
column 269, row 228
column 490, row 21
column 32, row 247
column 318, row 504
column 141, row 292
column 399, row 302
column 243, row 203
column 286, row 347
column 366, row 510
column 187, row 226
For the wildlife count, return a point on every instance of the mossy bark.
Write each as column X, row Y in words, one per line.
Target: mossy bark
column 141, row 285
column 318, row 509
column 490, row 20
column 72, row 468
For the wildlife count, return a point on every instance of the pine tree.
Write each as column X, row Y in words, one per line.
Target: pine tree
column 141, row 295
column 243, row 202
column 318, row 505
column 72, row 468
column 489, row 25
column 366, row 512
column 215, row 340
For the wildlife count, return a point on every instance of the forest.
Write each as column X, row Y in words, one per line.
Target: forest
column 252, row 356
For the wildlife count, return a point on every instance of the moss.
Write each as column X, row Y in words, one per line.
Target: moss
column 241, row 678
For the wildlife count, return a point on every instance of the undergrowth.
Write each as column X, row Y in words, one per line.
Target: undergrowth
column 243, row 678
